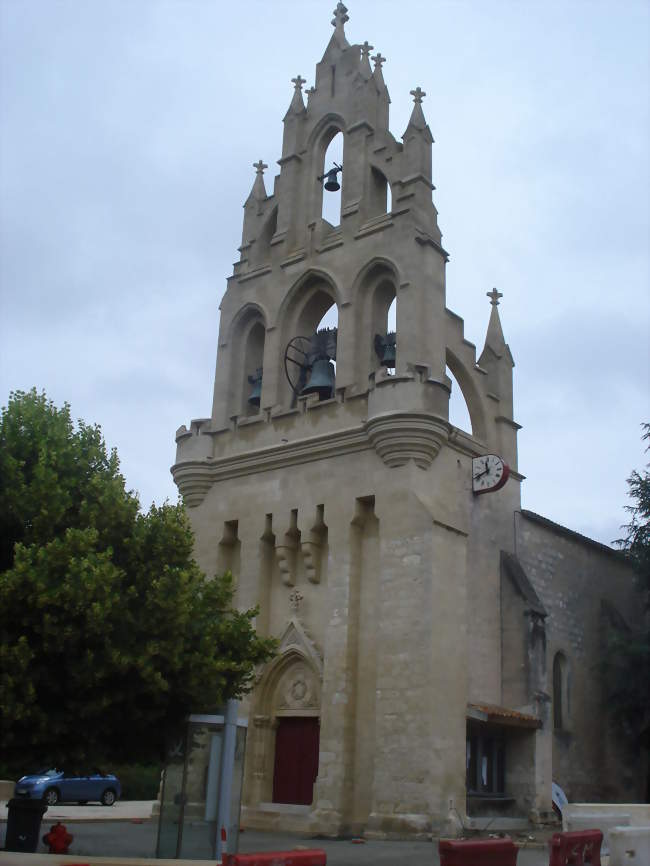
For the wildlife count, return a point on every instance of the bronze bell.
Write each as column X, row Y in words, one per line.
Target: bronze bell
column 385, row 349
column 322, row 379
column 256, row 381
column 332, row 184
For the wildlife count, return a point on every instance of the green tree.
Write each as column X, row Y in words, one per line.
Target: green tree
column 627, row 663
column 109, row 632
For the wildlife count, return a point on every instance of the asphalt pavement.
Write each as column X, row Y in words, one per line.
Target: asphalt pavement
column 128, row 830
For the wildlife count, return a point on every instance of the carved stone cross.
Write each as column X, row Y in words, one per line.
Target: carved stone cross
column 366, row 48
column 260, row 166
column 340, row 15
column 378, row 59
column 418, row 94
column 494, row 297
column 298, row 82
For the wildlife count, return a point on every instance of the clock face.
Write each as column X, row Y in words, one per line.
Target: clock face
column 489, row 473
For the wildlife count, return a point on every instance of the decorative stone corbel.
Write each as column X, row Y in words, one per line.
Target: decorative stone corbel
column 285, row 553
column 312, row 547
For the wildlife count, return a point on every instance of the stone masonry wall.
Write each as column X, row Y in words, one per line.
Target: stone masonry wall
column 573, row 576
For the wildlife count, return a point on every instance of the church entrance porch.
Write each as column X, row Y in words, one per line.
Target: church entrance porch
column 296, row 760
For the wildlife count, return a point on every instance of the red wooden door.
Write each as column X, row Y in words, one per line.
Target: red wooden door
column 296, row 760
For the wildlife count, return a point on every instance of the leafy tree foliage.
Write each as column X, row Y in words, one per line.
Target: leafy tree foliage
column 109, row 632
column 627, row 665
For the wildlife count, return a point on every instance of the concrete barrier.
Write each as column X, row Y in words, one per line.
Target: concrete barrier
column 6, row 789
column 629, row 846
column 604, row 817
column 638, row 813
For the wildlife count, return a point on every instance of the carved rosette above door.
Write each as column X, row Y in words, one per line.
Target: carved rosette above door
column 298, row 692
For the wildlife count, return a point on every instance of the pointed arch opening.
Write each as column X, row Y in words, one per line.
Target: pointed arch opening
column 253, row 369
column 458, row 410
column 311, row 305
column 289, row 704
column 331, row 205
column 383, row 348
column 462, row 378
column 248, row 336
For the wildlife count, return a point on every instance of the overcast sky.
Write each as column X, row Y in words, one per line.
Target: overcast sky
column 127, row 134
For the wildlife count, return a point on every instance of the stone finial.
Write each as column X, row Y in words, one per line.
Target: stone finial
column 366, row 48
column 378, row 60
column 297, row 105
column 259, row 190
column 494, row 338
column 340, row 16
column 418, row 95
column 494, row 297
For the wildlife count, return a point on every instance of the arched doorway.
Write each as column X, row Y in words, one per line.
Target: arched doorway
column 284, row 740
column 297, row 733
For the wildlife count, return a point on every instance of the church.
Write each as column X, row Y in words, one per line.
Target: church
column 438, row 645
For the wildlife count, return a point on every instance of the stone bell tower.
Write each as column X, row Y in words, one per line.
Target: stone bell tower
column 346, row 510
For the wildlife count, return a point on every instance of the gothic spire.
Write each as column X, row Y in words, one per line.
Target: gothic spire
column 494, row 338
column 365, row 69
column 297, row 105
column 417, row 115
column 338, row 42
column 378, row 60
column 338, row 22
column 258, row 191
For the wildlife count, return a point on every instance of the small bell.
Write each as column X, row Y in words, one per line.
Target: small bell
column 322, row 379
column 256, row 394
column 331, row 183
column 385, row 349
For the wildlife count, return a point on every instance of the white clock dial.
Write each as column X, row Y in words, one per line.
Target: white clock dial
column 489, row 473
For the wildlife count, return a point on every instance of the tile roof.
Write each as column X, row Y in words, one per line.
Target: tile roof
column 503, row 715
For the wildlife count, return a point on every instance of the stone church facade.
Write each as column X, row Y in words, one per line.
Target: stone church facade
column 435, row 645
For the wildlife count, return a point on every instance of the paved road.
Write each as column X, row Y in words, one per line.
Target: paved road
column 123, row 838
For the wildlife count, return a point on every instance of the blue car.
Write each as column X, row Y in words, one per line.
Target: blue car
column 58, row 786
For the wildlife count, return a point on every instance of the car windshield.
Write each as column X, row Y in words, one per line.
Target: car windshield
column 49, row 773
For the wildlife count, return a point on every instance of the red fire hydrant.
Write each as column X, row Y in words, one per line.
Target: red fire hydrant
column 58, row 839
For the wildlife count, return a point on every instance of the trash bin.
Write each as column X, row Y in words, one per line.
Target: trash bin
column 24, row 825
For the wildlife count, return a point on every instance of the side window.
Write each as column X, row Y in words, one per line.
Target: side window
column 485, row 762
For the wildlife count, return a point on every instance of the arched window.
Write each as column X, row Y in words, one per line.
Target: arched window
column 458, row 412
column 561, row 695
column 331, row 211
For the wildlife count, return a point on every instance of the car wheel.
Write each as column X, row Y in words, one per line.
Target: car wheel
column 51, row 797
column 108, row 797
